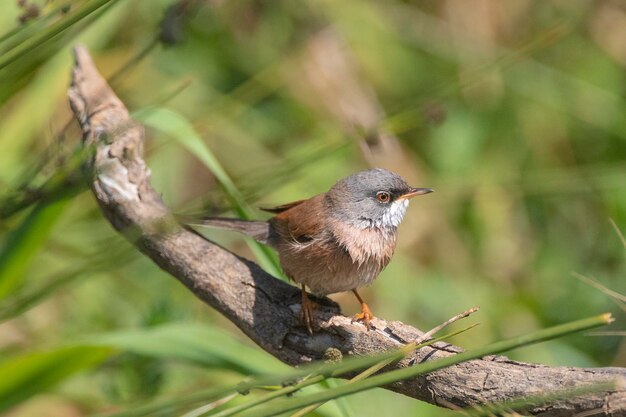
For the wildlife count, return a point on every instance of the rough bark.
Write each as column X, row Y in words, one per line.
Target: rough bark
column 267, row 309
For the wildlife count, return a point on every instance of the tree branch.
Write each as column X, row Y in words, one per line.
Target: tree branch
column 267, row 309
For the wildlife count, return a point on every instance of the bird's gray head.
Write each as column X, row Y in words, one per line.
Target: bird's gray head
column 375, row 198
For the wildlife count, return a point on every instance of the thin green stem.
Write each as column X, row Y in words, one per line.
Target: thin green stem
column 315, row 378
column 160, row 407
column 270, row 396
column 405, row 373
column 56, row 28
column 380, row 365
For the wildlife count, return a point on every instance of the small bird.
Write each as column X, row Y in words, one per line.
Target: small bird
column 336, row 241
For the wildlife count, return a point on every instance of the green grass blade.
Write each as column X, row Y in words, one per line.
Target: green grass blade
column 202, row 345
column 377, row 361
column 341, row 404
column 32, row 373
column 380, row 365
column 179, row 128
column 330, row 370
column 61, row 184
column 210, row 406
column 23, row 301
column 23, row 242
column 49, row 33
column 174, row 405
column 21, row 32
column 105, row 257
column 212, row 394
column 426, row 367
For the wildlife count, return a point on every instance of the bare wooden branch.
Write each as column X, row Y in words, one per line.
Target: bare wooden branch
column 266, row 309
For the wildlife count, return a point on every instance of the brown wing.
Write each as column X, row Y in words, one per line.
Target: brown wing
column 302, row 221
column 282, row 207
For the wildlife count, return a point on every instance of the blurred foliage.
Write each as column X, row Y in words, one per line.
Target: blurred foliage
column 512, row 111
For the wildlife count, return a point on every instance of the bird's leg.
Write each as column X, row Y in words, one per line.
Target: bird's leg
column 306, row 313
column 365, row 315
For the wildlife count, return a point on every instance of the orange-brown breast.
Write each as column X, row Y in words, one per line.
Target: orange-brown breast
column 325, row 254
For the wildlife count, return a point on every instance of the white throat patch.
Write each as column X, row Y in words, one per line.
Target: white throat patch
column 394, row 214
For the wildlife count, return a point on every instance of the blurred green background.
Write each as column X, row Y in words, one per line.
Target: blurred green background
column 514, row 111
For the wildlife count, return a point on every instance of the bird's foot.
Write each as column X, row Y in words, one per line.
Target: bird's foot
column 365, row 316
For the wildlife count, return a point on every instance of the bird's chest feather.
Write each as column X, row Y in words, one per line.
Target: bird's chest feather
column 358, row 257
column 366, row 245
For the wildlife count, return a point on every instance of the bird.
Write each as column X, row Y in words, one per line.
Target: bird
column 336, row 241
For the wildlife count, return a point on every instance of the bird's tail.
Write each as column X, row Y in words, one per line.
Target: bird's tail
column 257, row 230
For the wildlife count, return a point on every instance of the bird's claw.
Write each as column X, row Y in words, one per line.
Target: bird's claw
column 365, row 317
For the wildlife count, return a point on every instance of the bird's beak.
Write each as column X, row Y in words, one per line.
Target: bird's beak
column 415, row 191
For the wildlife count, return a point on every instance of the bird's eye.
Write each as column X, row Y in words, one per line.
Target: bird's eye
column 383, row 196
